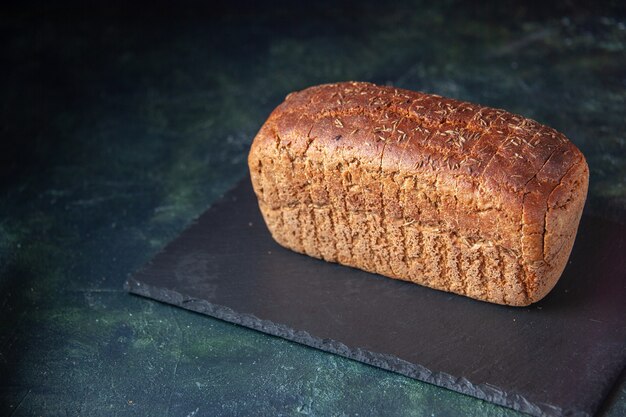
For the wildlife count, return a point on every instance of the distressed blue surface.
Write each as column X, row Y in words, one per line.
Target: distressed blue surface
column 118, row 127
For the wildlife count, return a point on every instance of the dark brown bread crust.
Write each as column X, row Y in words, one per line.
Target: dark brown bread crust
column 444, row 193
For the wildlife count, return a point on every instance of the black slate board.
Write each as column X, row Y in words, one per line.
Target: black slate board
column 560, row 356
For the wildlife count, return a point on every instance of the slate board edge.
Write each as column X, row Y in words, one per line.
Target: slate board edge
column 391, row 363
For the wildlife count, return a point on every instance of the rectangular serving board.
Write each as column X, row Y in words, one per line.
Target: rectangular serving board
column 558, row 357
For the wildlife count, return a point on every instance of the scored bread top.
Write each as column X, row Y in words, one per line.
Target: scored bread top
column 419, row 130
column 508, row 179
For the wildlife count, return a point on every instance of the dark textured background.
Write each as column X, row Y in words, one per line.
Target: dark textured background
column 120, row 124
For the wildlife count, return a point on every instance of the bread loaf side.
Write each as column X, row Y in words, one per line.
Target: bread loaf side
column 447, row 194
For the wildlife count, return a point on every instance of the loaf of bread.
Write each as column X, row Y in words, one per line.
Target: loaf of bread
column 451, row 195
